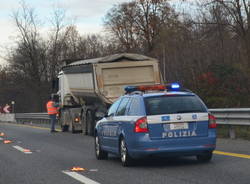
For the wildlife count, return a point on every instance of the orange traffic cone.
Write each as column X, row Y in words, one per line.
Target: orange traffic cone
column 7, row 141
column 2, row 134
column 77, row 169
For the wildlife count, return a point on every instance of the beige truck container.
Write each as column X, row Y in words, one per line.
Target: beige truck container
column 91, row 86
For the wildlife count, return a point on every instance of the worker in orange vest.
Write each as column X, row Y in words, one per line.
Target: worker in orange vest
column 52, row 109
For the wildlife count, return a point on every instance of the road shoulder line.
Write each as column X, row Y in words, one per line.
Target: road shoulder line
column 25, row 151
column 231, row 154
column 79, row 177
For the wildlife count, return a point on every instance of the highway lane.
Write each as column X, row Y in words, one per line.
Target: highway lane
column 53, row 154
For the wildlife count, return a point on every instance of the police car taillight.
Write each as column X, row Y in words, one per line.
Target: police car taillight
column 141, row 125
column 212, row 121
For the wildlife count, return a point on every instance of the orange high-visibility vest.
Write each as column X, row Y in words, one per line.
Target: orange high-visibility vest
column 51, row 109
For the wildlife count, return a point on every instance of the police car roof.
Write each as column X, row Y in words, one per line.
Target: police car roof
column 181, row 93
column 167, row 93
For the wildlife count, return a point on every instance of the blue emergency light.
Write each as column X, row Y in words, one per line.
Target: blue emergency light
column 157, row 87
column 175, row 86
column 130, row 89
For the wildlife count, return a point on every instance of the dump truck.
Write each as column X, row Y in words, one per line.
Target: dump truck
column 87, row 88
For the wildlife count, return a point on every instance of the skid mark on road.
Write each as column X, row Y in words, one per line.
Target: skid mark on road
column 79, row 177
column 232, row 154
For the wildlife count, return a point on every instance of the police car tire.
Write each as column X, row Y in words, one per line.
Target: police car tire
column 125, row 158
column 100, row 154
column 205, row 157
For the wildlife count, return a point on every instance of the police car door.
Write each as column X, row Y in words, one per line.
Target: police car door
column 106, row 125
column 119, row 119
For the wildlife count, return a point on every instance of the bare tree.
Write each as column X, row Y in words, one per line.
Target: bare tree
column 29, row 57
column 237, row 21
column 139, row 23
column 55, row 42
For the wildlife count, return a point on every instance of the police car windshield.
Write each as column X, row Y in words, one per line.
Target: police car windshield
column 173, row 104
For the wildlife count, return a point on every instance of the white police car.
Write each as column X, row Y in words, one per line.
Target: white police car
column 156, row 120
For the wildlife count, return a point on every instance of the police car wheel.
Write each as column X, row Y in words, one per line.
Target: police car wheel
column 100, row 154
column 205, row 157
column 125, row 158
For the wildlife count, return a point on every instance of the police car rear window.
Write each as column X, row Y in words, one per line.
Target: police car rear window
column 173, row 104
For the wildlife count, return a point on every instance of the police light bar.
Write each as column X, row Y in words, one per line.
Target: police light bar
column 130, row 89
column 173, row 87
column 158, row 87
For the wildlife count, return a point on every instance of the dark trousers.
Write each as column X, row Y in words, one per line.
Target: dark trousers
column 52, row 121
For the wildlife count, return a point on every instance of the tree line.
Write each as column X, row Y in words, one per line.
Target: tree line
column 206, row 49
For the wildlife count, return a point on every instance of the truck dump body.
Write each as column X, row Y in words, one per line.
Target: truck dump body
column 104, row 79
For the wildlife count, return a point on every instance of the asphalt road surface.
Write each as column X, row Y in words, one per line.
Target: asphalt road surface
column 36, row 156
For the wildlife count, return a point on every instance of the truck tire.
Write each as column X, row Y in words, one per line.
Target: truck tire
column 65, row 128
column 84, row 124
column 90, row 123
column 72, row 128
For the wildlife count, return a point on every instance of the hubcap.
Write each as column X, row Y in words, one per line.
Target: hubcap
column 123, row 151
column 97, row 148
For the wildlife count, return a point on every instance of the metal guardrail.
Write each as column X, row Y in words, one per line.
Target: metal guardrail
column 232, row 116
column 32, row 117
column 229, row 116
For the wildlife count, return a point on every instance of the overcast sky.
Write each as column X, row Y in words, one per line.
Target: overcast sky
column 88, row 16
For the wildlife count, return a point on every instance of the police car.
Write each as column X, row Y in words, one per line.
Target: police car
column 160, row 120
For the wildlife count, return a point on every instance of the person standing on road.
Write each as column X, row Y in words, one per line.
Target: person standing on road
column 52, row 109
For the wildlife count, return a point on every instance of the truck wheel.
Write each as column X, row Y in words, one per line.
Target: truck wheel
column 65, row 128
column 84, row 124
column 90, row 123
column 72, row 128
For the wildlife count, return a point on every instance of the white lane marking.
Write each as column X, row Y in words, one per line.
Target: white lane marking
column 93, row 170
column 80, row 177
column 19, row 148
column 1, row 138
